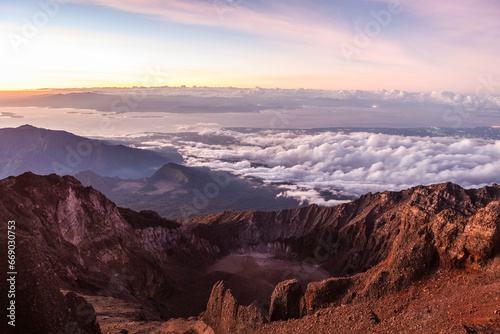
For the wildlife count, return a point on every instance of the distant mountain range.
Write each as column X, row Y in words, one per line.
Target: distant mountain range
column 43, row 151
column 177, row 191
column 135, row 178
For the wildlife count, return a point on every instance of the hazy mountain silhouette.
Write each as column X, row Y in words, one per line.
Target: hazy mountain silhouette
column 178, row 191
column 43, row 151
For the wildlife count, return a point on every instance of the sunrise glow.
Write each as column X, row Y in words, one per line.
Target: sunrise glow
column 316, row 44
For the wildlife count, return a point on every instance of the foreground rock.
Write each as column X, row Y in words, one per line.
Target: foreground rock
column 225, row 315
column 378, row 247
column 40, row 305
column 325, row 293
column 441, row 235
column 286, row 301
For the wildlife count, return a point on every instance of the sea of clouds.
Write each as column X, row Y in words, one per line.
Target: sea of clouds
column 316, row 166
column 345, row 165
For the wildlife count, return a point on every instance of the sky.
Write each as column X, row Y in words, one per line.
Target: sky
column 419, row 46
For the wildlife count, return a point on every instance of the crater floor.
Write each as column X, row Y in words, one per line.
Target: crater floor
column 252, row 277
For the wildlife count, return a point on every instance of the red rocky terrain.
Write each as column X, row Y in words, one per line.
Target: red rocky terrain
column 423, row 260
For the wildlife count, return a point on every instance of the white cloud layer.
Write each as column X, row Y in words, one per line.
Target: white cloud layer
column 348, row 164
column 279, row 108
column 484, row 96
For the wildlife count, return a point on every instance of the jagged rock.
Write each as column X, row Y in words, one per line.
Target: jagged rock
column 225, row 315
column 91, row 247
column 447, row 228
column 356, row 236
column 325, row 293
column 82, row 313
column 146, row 218
column 285, row 300
column 464, row 240
column 412, row 256
column 482, row 232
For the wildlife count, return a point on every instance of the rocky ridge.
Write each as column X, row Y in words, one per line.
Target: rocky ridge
column 378, row 246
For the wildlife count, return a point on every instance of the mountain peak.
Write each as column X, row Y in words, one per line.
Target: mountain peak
column 45, row 151
column 27, row 127
column 170, row 172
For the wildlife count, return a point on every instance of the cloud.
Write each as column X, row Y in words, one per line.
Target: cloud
column 282, row 21
column 348, row 165
column 184, row 109
column 10, row 115
column 227, row 99
column 308, row 36
column 197, row 127
column 430, row 45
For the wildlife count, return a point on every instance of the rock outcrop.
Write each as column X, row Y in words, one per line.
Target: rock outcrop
column 423, row 230
column 286, row 300
column 83, row 313
column 325, row 293
column 225, row 315
column 482, row 233
column 356, row 236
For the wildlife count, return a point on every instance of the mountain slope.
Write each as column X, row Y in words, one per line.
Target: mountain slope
column 384, row 252
column 44, row 151
column 177, row 191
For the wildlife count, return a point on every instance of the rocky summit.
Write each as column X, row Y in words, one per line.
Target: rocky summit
column 423, row 260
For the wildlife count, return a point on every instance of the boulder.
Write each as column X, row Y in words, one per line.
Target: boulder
column 325, row 293
column 82, row 313
column 285, row 300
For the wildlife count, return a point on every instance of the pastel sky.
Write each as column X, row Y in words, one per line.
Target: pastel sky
column 411, row 45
